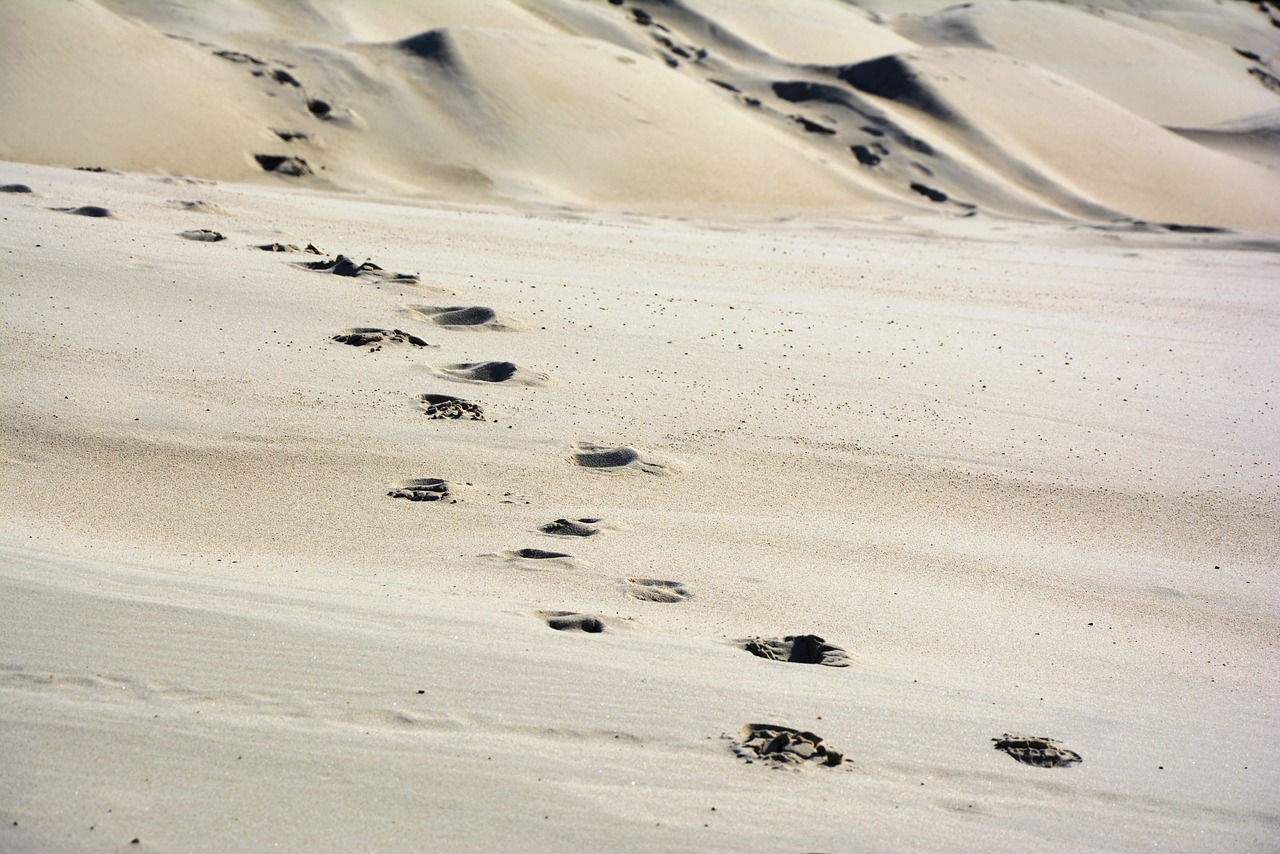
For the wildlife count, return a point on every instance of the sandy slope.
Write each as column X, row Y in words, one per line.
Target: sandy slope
column 1025, row 477
column 877, row 321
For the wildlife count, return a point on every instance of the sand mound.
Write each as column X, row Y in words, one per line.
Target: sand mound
column 702, row 106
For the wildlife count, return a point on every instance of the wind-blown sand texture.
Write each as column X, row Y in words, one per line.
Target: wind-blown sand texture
column 635, row 355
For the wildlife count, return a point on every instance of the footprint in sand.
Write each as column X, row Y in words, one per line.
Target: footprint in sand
column 464, row 317
column 492, row 372
column 310, row 249
column 568, row 621
column 284, row 164
column 425, row 489
column 784, row 747
column 657, row 590
column 87, row 210
column 1037, row 750
column 376, row 339
column 344, row 266
column 798, row 649
column 572, row 527
column 538, row 559
column 198, row 206
column 592, row 456
column 438, row 406
column 202, row 235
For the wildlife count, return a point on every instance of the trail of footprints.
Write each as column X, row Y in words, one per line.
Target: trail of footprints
column 772, row 745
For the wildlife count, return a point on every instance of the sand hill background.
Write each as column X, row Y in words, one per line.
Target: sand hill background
column 416, row 415
column 1164, row 112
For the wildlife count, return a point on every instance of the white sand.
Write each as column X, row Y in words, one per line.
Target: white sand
column 1022, row 468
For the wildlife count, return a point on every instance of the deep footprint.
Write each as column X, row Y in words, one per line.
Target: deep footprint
column 344, row 266
column 368, row 336
column 658, row 590
column 463, row 317
column 203, row 235
column 798, row 649
column 437, row 406
column 1036, row 750
column 290, row 247
column 424, row 489
column 588, row 455
column 784, row 747
column 539, row 554
column 571, row 528
column 284, row 164
column 493, row 372
column 87, row 210
column 568, row 621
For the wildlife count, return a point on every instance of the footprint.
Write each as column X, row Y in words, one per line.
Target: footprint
column 784, row 746
column 798, row 649
column 1038, row 751
column 424, row 489
column 658, row 590
column 464, row 317
column 437, row 406
column 290, row 247
column 198, row 206
column 368, row 336
column 86, row 210
column 928, row 192
column 812, row 126
column 344, row 266
column 203, row 235
column 536, row 559
column 572, row 527
column 538, row 554
column 865, row 155
column 568, row 621
column 493, row 372
column 284, row 164
column 15, row 188
column 592, row 456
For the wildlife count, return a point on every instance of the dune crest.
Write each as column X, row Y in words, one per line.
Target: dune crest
column 684, row 106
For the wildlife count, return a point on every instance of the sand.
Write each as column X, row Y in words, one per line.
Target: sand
column 465, row 540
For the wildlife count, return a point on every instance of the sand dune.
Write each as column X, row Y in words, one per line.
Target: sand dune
column 669, row 425
column 665, row 107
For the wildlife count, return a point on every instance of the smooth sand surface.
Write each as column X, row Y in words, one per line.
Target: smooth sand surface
column 633, row 376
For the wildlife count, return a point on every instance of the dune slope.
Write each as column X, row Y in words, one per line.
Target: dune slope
column 1050, row 112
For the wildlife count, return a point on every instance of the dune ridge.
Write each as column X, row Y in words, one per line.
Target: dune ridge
column 1014, row 109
